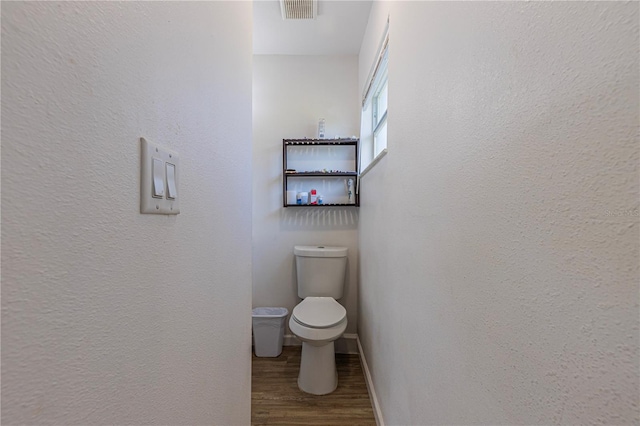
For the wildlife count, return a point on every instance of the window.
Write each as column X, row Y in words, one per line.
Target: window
column 379, row 127
column 373, row 132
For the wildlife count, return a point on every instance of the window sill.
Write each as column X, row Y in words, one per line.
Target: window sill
column 374, row 162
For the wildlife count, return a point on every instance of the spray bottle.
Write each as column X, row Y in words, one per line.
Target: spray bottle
column 350, row 193
column 321, row 128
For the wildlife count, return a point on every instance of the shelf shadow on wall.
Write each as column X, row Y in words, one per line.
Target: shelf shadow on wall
column 315, row 218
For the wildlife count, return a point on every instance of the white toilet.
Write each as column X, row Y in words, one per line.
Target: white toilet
column 319, row 320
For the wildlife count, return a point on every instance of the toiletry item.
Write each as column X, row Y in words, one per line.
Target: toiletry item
column 304, row 198
column 350, row 193
column 313, row 198
column 321, row 129
column 299, row 198
column 292, row 197
column 320, row 199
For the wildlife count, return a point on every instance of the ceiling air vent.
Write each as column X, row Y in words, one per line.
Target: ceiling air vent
column 299, row 9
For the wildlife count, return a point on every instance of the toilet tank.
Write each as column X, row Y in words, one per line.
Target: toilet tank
column 320, row 271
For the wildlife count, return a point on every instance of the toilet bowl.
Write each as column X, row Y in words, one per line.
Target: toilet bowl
column 318, row 322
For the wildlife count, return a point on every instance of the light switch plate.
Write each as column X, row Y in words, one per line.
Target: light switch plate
column 148, row 203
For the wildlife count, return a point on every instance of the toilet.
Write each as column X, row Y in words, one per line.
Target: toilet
column 319, row 320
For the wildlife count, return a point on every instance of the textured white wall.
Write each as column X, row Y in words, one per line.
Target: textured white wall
column 499, row 238
column 290, row 94
column 110, row 316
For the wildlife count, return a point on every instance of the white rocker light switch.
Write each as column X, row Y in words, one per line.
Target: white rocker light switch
column 159, row 179
column 171, row 181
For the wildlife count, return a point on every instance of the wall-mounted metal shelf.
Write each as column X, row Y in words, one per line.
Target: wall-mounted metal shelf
column 344, row 141
column 320, row 162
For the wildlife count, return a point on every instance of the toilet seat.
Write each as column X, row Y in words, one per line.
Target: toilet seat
column 319, row 312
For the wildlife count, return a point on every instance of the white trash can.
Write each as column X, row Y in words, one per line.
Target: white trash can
column 268, row 330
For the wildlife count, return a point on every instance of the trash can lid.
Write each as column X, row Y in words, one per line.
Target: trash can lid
column 269, row 312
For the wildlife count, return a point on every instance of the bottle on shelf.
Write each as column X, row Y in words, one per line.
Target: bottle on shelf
column 321, row 129
column 350, row 192
column 302, row 198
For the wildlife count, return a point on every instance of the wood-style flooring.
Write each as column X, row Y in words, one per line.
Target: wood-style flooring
column 276, row 399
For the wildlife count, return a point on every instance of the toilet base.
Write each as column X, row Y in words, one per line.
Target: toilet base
column 318, row 374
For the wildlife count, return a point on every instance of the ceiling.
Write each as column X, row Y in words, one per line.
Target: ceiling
column 338, row 29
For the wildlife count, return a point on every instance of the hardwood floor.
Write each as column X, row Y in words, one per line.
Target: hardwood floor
column 276, row 399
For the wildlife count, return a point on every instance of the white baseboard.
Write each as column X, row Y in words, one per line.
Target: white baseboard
column 347, row 344
column 372, row 392
column 290, row 340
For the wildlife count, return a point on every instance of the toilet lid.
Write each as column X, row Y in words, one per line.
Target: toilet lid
column 319, row 312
